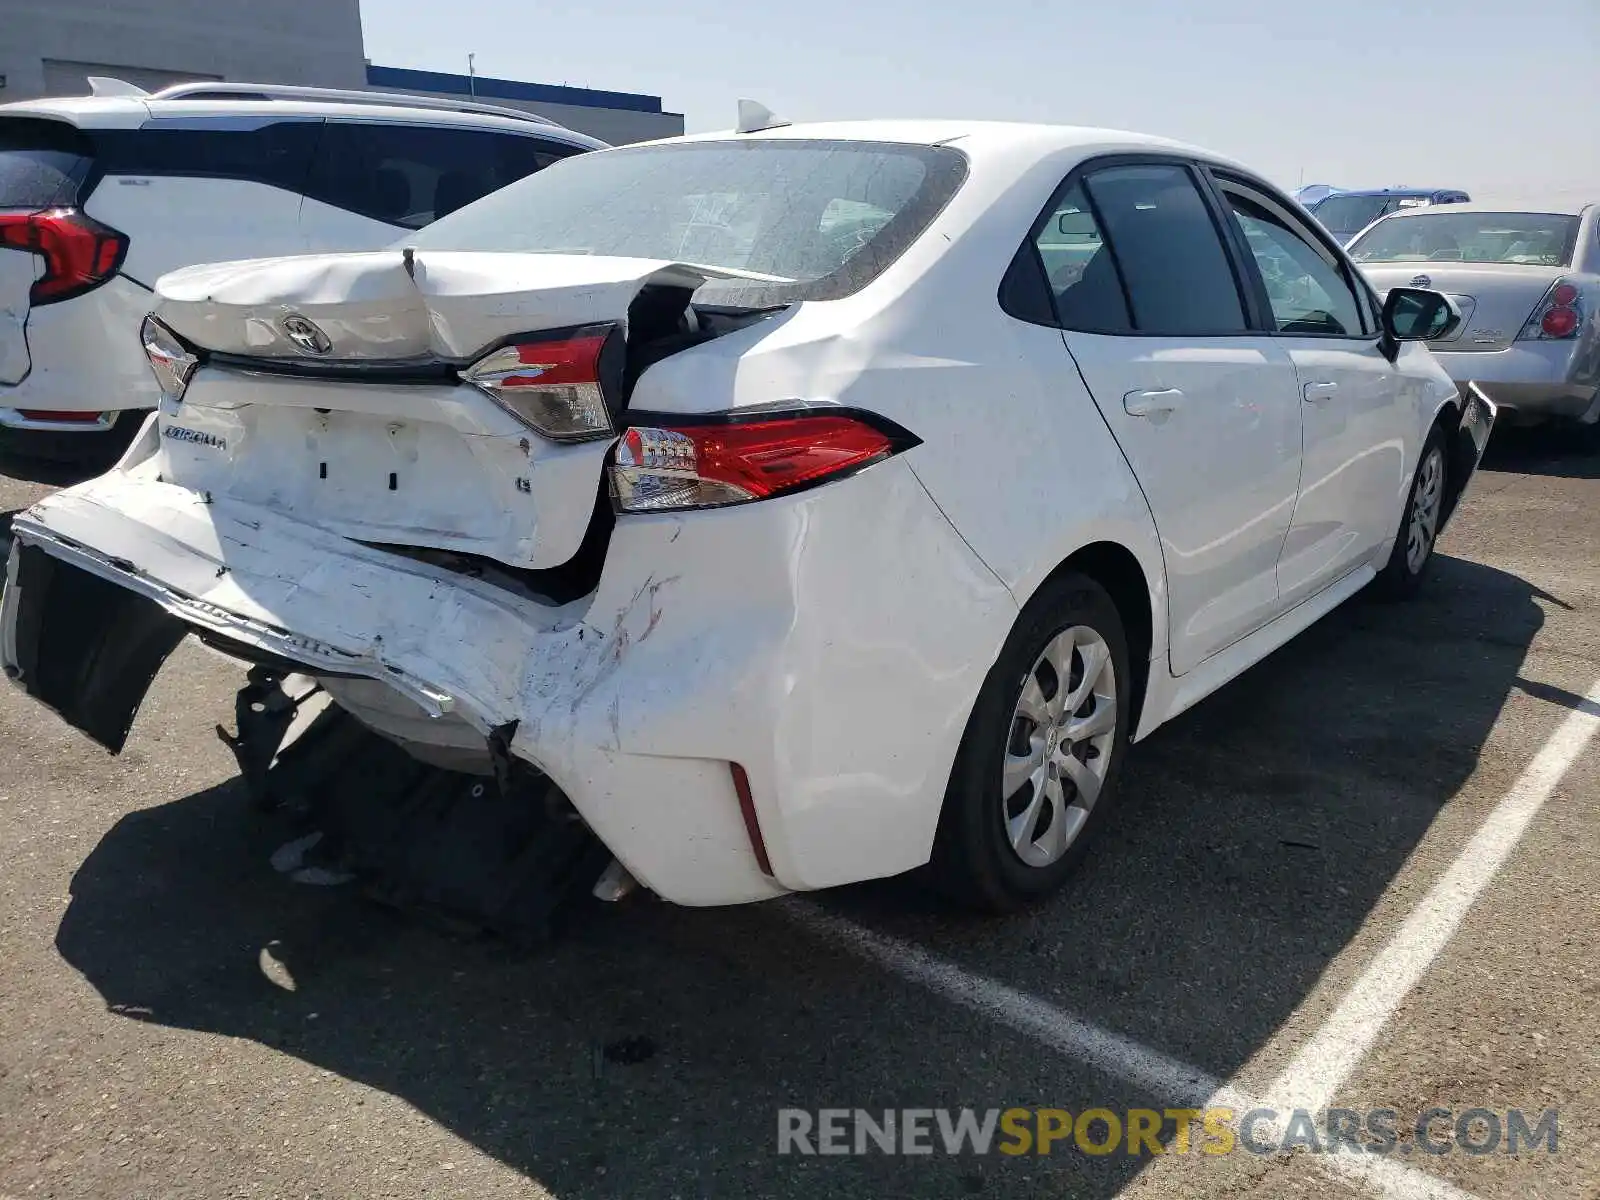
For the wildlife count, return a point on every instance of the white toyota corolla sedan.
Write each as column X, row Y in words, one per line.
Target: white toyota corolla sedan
column 804, row 503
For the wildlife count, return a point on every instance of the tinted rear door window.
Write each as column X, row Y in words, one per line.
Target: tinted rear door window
column 410, row 175
column 41, row 163
column 1178, row 276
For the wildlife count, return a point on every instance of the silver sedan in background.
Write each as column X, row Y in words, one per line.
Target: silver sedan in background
column 1528, row 286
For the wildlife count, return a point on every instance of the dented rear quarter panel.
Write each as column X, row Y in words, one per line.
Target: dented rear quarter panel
column 796, row 638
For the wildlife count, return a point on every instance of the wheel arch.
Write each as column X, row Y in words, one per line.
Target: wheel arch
column 956, row 863
column 1117, row 569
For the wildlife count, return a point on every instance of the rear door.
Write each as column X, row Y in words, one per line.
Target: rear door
column 1356, row 428
column 42, row 165
column 1206, row 410
column 372, row 180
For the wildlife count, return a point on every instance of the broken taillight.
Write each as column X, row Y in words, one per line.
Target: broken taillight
column 742, row 458
column 555, row 383
column 170, row 360
column 79, row 252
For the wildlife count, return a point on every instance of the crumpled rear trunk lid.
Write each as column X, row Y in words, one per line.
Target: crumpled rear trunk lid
column 395, row 305
column 330, row 393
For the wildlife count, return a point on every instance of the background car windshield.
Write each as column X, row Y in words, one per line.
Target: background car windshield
column 1350, row 213
column 1528, row 239
column 816, row 219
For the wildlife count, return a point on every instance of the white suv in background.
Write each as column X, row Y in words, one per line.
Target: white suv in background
column 101, row 195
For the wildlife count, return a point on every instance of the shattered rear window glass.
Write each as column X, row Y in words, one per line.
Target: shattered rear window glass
column 803, row 219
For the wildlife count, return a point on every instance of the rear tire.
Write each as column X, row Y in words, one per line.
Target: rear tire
column 1038, row 763
column 1414, row 543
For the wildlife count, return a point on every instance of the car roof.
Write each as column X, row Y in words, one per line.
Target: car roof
column 123, row 112
column 971, row 135
column 934, row 132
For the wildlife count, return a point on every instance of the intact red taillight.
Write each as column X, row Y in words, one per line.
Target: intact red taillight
column 79, row 252
column 1559, row 315
column 555, row 383
column 1559, row 322
column 667, row 466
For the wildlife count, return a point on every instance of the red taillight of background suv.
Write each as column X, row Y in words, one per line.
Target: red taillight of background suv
column 79, row 252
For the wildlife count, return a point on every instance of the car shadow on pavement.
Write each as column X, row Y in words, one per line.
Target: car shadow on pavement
column 1558, row 452
column 648, row 1052
column 52, row 473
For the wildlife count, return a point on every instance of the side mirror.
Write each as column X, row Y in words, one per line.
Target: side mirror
column 1075, row 224
column 1418, row 315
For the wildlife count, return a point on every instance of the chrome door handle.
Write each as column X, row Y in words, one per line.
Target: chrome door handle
column 1319, row 393
column 1157, row 406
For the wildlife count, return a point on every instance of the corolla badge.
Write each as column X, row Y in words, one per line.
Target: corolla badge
column 1416, row 281
column 197, row 437
column 305, row 334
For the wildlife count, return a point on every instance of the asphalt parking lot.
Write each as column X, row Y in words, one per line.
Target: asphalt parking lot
column 1353, row 874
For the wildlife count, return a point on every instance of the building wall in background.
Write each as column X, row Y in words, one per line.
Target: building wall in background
column 615, row 117
column 48, row 47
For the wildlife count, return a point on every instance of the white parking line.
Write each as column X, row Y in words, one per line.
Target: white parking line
column 1112, row 1054
column 1333, row 1052
column 1389, row 1179
column 1108, row 1052
column 1326, row 1061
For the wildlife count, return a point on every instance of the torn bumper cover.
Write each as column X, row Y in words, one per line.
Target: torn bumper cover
column 712, row 641
column 1475, row 424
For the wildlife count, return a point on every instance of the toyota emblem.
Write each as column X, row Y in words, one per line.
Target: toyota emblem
column 305, row 334
column 1422, row 281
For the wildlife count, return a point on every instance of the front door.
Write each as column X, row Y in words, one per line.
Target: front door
column 1354, row 436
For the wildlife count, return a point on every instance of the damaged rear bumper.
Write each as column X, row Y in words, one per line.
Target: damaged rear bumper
column 747, row 636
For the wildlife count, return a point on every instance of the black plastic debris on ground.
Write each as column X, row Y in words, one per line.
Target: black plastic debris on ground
column 513, row 860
